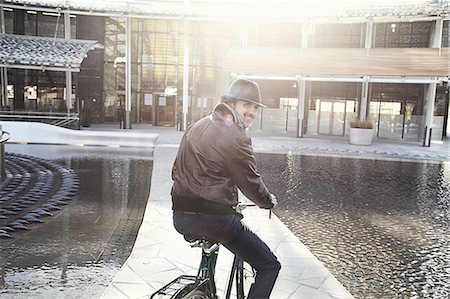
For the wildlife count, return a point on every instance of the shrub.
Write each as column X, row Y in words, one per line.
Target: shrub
column 362, row 124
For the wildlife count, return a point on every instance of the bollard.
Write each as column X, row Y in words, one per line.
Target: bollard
column 429, row 137
column 425, row 136
column 4, row 136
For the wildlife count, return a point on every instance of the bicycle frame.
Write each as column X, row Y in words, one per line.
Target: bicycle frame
column 186, row 285
column 207, row 269
column 204, row 281
column 206, row 275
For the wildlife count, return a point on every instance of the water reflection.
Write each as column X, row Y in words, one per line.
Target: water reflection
column 76, row 253
column 57, row 281
column 381, row 227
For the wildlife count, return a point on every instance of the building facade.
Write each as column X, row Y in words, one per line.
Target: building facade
column 308, row 98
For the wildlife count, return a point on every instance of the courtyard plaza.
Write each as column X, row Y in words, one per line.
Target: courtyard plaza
column 160, row 254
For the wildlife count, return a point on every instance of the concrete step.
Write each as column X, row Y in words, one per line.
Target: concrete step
column 40, row 133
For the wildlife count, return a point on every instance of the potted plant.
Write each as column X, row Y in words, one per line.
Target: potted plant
column 361, row 132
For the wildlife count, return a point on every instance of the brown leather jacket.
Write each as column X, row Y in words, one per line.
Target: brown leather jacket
column 214, row 159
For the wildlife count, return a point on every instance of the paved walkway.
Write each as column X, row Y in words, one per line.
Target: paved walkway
column 160, row 254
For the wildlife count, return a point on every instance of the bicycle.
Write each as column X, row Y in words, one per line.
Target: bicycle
column 202, row 285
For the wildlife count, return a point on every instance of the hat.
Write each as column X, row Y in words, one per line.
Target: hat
column 245, row 90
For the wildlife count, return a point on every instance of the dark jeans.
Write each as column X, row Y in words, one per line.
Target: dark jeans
column 240, row 240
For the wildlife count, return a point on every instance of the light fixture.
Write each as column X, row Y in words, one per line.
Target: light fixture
column 393, row 26
column 52, row 14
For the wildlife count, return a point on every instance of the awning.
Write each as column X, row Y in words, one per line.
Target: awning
column 43, row 53
column 339, row 62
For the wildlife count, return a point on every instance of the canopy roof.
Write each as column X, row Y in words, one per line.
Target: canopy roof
column 248, row 10
column 33, row 52
column 337, row 62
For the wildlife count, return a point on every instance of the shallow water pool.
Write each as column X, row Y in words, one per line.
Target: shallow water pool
column 381, row 227
column 76, row 252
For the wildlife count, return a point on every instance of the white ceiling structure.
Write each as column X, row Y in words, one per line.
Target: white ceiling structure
column 249, row 10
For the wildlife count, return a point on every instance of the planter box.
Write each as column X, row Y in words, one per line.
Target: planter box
column 360, row 136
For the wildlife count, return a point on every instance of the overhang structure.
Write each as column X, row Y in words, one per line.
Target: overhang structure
column 312, row 63
column 402, row 65
column 43, row 53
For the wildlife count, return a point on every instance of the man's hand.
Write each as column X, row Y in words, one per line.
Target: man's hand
column 274, row 201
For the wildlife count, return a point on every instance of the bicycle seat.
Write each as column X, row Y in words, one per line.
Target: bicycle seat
column 198, row 241
column 194, row 238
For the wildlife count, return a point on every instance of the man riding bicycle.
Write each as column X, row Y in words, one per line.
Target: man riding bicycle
column 215, row 158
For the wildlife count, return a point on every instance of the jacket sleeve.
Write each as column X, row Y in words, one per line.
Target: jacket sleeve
column 243, row 171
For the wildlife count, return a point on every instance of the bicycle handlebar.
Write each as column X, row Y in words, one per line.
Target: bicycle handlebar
column 242, row 205
column 245, row 204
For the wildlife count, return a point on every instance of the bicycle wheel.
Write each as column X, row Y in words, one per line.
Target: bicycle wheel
column 186, row 290
column 196, row 294
column 249, row 275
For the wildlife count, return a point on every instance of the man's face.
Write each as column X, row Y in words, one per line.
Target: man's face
column 247, row 111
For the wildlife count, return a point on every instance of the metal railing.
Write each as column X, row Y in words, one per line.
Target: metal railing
column 3, row 139
column 66, row 120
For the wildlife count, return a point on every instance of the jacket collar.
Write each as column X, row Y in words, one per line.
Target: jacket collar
column 229, row 114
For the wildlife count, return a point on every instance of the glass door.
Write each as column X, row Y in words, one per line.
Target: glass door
column 396, row 120
column 397, row 110
column 331, row 120
column 165, row 110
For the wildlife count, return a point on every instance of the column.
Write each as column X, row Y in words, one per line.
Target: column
column 18, row 78
column 301, row 84
column 365, row 84
column 436, row 41
column 127, row 124
column 301, row 95
column 364, row 98
column 139, row 71
column 369, row 36
column 430, row 95
column 185, row 74
column 430, row 91
column 68, row 73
